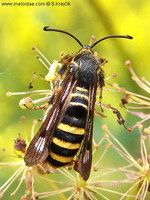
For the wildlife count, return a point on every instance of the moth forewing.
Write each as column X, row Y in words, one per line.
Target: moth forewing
column 84, row 161
column 38, row 149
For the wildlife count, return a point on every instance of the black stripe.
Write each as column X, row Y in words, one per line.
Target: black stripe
column 63, row 151
column 79, row 99
column 55, row 162
column 82, row 85
column 68, row 137
column 77, row 111
column 72, row 121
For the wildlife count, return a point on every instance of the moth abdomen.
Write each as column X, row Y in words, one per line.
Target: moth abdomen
column 70, row 131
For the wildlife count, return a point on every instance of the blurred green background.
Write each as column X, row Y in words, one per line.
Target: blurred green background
column 21, row 27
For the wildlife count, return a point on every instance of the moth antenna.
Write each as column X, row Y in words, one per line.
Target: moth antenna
column 46, row 28
column 112, row 36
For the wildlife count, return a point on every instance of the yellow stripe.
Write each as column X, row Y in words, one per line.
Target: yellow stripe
column 79, row 104
column 87, row 50
column 71, row 129
column 61, row 158
column 66, row 145
column 81, row 89
column 79, row 95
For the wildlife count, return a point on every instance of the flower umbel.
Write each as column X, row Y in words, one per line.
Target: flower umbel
column 22, row 173
column 137, row 171
column 140, row 102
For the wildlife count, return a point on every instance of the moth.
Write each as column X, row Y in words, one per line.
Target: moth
column 65, row 136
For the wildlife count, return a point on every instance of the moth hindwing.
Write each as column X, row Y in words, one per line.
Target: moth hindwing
column 67, row 130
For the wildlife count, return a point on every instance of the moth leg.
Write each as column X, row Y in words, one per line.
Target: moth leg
column 101, row 85
column 54, row 78
column 35, row 75
column 120, row 120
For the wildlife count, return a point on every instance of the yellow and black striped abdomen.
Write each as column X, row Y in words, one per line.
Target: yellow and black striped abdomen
column 70, row 131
